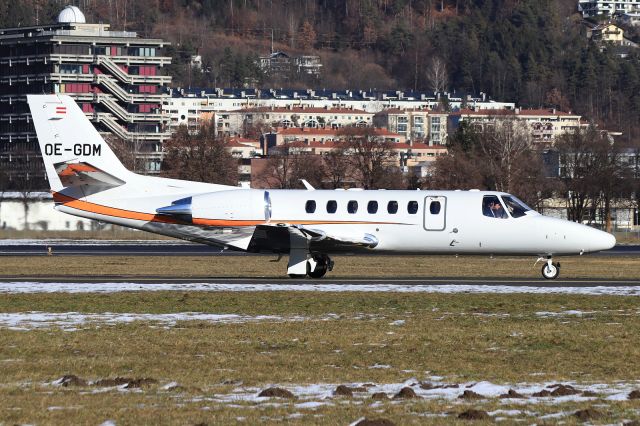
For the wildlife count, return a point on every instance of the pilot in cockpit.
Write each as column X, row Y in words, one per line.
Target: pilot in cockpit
column 493, row 208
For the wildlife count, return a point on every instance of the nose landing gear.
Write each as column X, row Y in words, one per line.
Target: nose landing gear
column 550, row 270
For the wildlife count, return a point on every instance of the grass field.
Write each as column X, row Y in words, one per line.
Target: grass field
column 208, row 372
column 346, row 338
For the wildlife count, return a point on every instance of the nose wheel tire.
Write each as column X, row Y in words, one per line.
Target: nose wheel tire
column 550, row 271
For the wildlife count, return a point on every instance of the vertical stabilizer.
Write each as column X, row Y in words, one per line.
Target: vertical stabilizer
column 67, row 137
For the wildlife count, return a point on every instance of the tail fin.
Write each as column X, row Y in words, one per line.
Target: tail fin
column 73, row 151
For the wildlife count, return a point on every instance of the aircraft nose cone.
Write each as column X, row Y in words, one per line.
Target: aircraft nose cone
column 600, row 240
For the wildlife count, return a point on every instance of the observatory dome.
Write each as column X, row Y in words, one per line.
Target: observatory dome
column 71, row 14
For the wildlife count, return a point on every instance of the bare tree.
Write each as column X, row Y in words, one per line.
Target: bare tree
column 4, row 185
column 437, row 75
column 306, row 36
column 372, row 160
column 500, row 156
column 200, row 157
column 25, row 188
column 505, row 145
column 278, row 170
column 287, row 165
column 592, row 174
column 336, row 167
column 125, row 151
column 456, row 170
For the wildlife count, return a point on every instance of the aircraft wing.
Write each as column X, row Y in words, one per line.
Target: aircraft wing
column 318, row 240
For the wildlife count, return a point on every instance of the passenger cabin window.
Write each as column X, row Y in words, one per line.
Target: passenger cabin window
column 392, row 207
column 434, row 207
column 412, row 207
column 515, row 206
column 492, row 207
column 352, row 206
column 332, row 206
column 310, row 207
column 372, row 207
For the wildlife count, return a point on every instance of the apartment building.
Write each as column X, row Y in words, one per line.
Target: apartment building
column 317, row 140
column 187, row 105
column 545, row 125
column 230, row 123
column 417, row 125
column 608, row 7
column 115, row 77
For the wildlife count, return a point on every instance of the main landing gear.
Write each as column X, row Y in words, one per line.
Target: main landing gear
column 316, row 266
column 550, row 270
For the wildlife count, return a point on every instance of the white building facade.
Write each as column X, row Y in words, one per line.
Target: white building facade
column 608, row 7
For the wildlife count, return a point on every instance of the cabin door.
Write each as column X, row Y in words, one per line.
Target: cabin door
column 435, row 213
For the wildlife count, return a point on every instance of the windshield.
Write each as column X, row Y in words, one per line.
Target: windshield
column 515, row 207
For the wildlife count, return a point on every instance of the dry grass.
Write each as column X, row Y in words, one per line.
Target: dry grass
column 346, row 266
column 465, row 338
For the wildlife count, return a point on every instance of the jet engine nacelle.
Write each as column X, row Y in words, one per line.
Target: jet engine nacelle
column 236, row 205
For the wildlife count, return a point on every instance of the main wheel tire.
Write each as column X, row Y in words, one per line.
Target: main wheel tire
column 550, row 271
column 298, row 276
column 319, row 272
column 321, row 268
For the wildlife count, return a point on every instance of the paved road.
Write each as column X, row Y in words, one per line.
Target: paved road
column 169, row 248
column 279, row 281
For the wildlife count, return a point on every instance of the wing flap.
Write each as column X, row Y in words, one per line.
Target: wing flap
column 320, row 240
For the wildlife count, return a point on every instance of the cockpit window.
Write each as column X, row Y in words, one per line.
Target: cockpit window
column 492, row 207
column 516, row 207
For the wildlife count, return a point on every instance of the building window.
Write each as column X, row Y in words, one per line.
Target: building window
column 412, row 207
column 332, row 206
column 372, row 207
column 392, row 207
column 310, row 206
column 352, row 206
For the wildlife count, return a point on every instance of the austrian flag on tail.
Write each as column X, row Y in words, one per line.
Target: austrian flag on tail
column 57, row 112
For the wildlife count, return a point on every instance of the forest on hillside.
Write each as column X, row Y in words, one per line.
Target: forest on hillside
column 533, row 52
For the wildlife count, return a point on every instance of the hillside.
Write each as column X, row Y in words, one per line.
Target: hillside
column 531, row 52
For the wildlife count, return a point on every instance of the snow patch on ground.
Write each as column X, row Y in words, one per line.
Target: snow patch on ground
column 70, row 321
column 321, row 393
column 110, row 287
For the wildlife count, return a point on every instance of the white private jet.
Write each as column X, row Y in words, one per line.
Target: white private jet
column 88, row 180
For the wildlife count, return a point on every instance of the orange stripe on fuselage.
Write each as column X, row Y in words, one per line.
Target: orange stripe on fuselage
column 148, row 217
column 109, row 211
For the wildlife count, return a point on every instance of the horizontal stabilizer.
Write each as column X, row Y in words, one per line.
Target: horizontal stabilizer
column 77, row 174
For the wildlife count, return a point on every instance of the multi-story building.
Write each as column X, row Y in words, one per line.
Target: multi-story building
column 186, row 106
column 415, row 124
column 282, row 63
column 545, row 125
column 318, row 140
column 607, row 7
column 230, row 123
column 114, row 76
